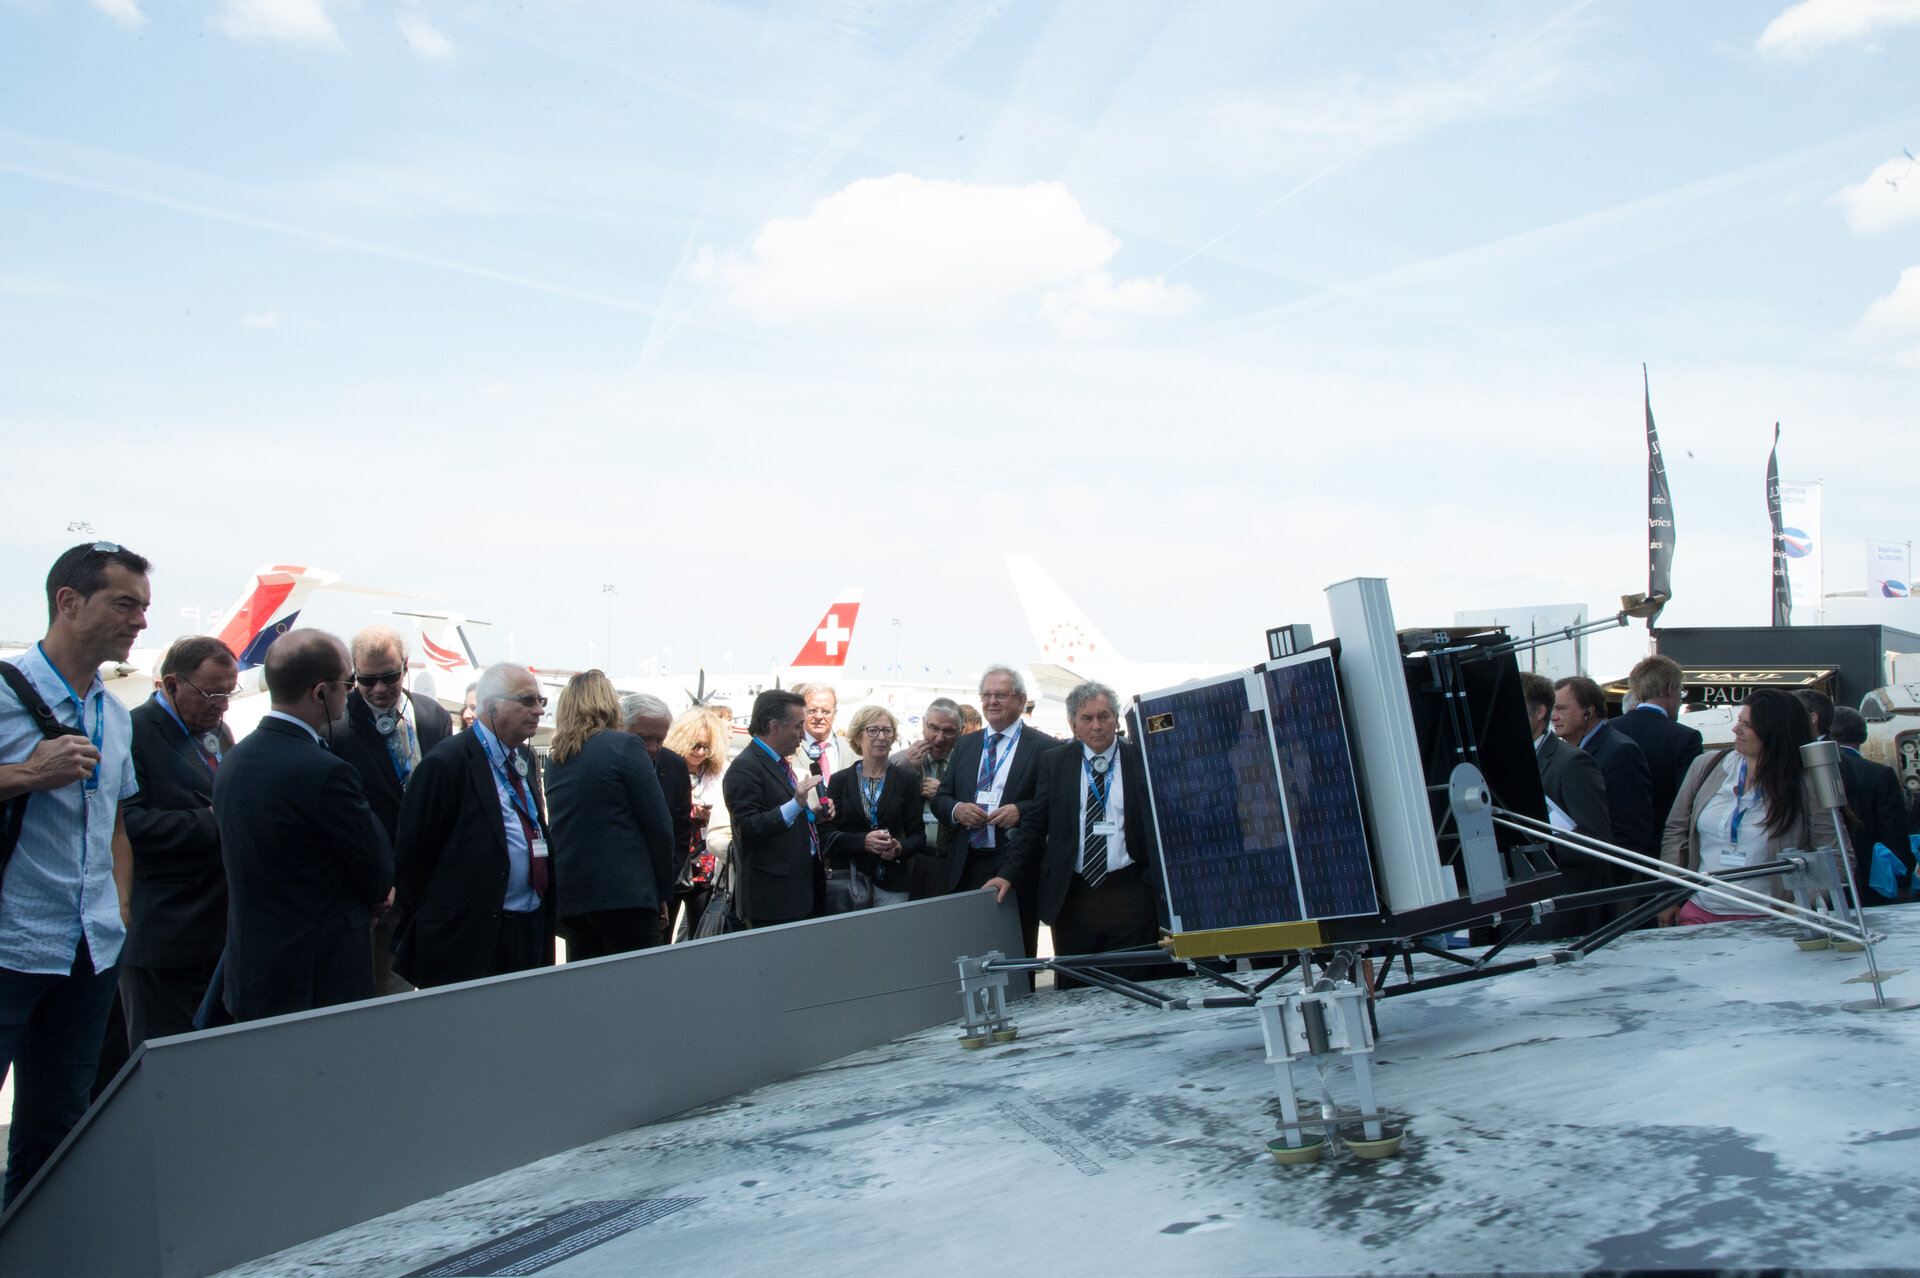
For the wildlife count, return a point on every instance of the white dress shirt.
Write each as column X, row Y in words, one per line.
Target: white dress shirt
column 1117, row 858
column 1003, row 763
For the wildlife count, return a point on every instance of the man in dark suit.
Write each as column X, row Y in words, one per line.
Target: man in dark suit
column 931, row 757
column 1087, row 838
column 386, row 732
column 305, row 858
column 1670, row 747
column 471, row 870
column 178, row 917
column 987, row 791
column 648, row 718
column 1578, row 795
column 1876, row 810
column 1580, row 719
column 776, row 844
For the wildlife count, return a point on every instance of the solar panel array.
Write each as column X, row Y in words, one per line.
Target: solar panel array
column 1254, row 798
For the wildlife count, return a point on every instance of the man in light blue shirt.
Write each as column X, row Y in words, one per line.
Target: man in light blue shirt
column 62, row 894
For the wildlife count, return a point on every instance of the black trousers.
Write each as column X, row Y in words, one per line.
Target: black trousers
column 521, row 942
column 160, row 1001
column 1117, row 915
column 598, row 933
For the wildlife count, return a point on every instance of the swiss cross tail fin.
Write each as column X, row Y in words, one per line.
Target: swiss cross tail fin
column 828, row 644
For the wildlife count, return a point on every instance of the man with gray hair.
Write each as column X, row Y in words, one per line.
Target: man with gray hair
column 989, row 784
column 384, row 734
column 930, row 756
column 648, row 718
column 1087, row 837
column 470, row 865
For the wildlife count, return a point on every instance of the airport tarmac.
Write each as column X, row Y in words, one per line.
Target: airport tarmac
column 1685, row 1098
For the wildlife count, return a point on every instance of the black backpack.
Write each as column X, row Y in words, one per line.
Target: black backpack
column 13, row 813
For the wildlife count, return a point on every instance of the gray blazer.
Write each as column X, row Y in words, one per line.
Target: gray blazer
column 1680, row 843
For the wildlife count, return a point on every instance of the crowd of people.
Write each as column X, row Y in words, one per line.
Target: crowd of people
column 1646, row 782
column 363, row 841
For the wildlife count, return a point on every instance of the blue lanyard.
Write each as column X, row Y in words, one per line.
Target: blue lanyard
column 99, row 714
column 805, row 809
column 174, row 715
column 1740, row 792
column 513, row 791
column 1100, row 782
column 870, row 792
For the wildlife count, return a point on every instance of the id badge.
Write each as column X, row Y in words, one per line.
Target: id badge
column 1734, row 857
column 539, row 849
column 1105, row 829
column 988, row 800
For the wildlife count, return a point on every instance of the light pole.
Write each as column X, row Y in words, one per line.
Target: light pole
column 609, row 591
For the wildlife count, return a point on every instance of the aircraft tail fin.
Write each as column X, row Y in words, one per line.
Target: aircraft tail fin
column 270, row 604
column 827, row 645
column 450, row 664
column 1065, row 636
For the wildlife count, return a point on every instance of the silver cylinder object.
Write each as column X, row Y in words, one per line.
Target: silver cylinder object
column 1821, row 759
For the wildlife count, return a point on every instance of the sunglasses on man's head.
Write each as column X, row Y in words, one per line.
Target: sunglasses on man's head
column 374, row 681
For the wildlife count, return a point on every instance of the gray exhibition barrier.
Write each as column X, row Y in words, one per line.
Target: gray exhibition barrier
column 215, row 1148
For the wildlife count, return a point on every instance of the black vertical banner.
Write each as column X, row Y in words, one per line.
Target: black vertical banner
column 1659, row 512
column 1782, row 587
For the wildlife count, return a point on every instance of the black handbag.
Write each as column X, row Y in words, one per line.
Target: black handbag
column 13, row 813
column 719, row 918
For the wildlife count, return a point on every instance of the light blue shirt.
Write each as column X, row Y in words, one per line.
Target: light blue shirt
column 790, row 810
column 521, row 898
column 59, row 883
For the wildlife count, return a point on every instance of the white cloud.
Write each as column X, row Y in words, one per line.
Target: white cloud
column 1900, row 308
column 288, row 21
column 917, row 252
column 124, row 12
column 1889, row 196
column 263, row 319
column 424, row 38
column 1804, row 28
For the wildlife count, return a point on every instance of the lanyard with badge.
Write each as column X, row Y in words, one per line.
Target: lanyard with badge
column 99, row 716
column 208, row 743
column 870, row 797
column 536, row 842
column 1100, row 781
column 1744, row 799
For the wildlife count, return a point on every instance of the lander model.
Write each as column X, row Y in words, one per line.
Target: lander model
column 1346, row 805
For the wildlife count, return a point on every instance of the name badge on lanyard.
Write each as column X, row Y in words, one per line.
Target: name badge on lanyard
column 537, row 846
column 99, row 716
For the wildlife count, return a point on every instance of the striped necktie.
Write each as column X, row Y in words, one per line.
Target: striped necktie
column 989, row 768
column 1093, row 848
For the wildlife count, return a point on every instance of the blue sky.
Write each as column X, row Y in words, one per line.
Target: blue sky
column 1204, row 305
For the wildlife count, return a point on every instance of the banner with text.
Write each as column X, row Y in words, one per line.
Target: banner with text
column 1800, row 541
column 1889, row 569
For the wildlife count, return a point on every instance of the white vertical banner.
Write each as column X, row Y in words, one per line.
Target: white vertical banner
column 1889, row 569
column 1800, row 530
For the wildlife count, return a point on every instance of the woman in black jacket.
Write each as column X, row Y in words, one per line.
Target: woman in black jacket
column 876, row 828
column 613, row 853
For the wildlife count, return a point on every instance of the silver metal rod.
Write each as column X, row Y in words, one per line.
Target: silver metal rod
column 1675, row 874
column 1667, row 870
column 1853, row 891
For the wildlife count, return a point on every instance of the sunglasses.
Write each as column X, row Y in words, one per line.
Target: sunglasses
column 529, row 701
column 97, row 548
column 374, row 681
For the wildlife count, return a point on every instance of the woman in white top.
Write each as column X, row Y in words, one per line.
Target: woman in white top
column 700, row 737
column 1747, row 805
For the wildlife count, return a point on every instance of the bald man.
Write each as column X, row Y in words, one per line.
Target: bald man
column 306, row 861
column 385, row 733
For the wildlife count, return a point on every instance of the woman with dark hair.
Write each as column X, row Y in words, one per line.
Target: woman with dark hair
column 613, row 853
column 1746, row 805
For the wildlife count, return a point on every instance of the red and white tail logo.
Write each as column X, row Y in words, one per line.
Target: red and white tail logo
column 827, row 645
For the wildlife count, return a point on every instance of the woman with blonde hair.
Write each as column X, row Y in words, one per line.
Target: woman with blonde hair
column 613, row 853
column 876, row 828
column 699, row 736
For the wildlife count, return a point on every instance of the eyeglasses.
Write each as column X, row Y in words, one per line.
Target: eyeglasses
column 1000, row 696
column 879, row 732
column 529, row 701
column 217, row 698
column 374, row 681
